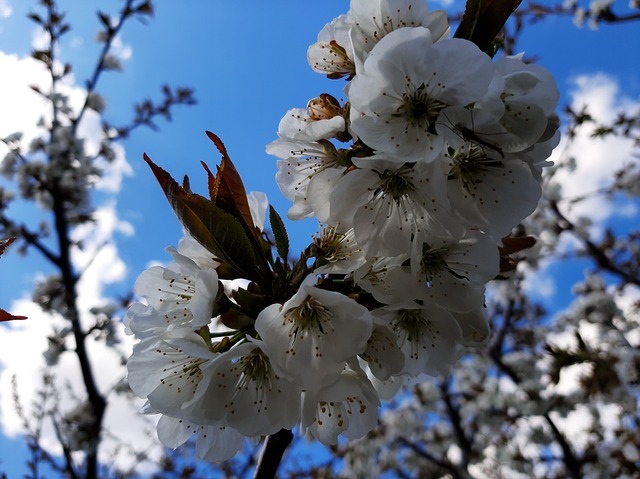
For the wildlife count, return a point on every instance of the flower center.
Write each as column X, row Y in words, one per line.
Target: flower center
column 179, row 290
column 396, row 184
column 412, row 323
column 255, row 367
column 332, row 246
column 470, row 165
column 310, row 317
column 434, row 261
column 418, row 108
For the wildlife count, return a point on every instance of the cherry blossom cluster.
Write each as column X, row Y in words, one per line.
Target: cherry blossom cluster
column 434, row 157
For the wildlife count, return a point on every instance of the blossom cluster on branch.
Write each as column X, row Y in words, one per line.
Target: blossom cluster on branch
column 417, row 179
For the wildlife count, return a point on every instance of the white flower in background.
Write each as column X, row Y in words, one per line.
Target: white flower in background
column 390, row 204
column 298, row 124
column 344, row 44
column 241, row 390
column 307, row 165
column 405, row 84
column 529, row 96
column 383, row 356
column 489, row 191
column 183, row 292
column 213, row 443
column 309, row 337
column 258, row 206
column 332, row 54
column 373, row 19
column 444, row 271
column 475, row 327
column 428, row 335
column 337, row 252
column 372, row 277
column 167, row 370
column 189, row 247
column 348, row 406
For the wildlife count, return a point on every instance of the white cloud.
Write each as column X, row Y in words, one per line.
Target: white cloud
column 120, row 50
column 444, row 3
column 22, row 108
column 16, row 96
column 6, row 10
column 40, row 39
column 23, row 342
column 538, row 283
column 76, row 42
column 596, row 158
column 26, row 107
column 114, row 171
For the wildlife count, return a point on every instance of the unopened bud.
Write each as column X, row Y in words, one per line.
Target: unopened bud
column 324, row 107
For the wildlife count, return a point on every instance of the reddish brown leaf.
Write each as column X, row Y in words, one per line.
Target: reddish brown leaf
column 4, row 244
column 511, row 244
column 4, row 316
column 227, row 189
column 212, row 181
column 214, row 228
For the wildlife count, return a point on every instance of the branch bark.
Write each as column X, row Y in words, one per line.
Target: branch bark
column 272, row 452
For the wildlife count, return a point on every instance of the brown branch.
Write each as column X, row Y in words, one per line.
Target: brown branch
column 69, row 467
column 596, row 253
column 441, row 463
column 453, row 411
column 100, row 65
column 571, row 462
column 272, row 452
column 497, row 343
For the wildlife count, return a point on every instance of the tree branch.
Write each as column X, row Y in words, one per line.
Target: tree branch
column 466, row 446
column 596, row 253
column 571, row 462
column 272, row 452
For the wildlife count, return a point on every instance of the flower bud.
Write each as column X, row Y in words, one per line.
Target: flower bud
column 324, row 107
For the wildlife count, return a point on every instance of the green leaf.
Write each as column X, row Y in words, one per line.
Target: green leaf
column 279, row 233
column 213, row 228
column 483, row 20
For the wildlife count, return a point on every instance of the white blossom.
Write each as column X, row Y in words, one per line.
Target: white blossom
column 406, row 83
column 213, row 443
column 242, row 391
column 309, row 337
column 348, row 406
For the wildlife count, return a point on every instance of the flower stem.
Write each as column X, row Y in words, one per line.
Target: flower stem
column 272, row 452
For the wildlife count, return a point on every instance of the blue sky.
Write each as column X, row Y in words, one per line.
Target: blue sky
column 247, row 64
